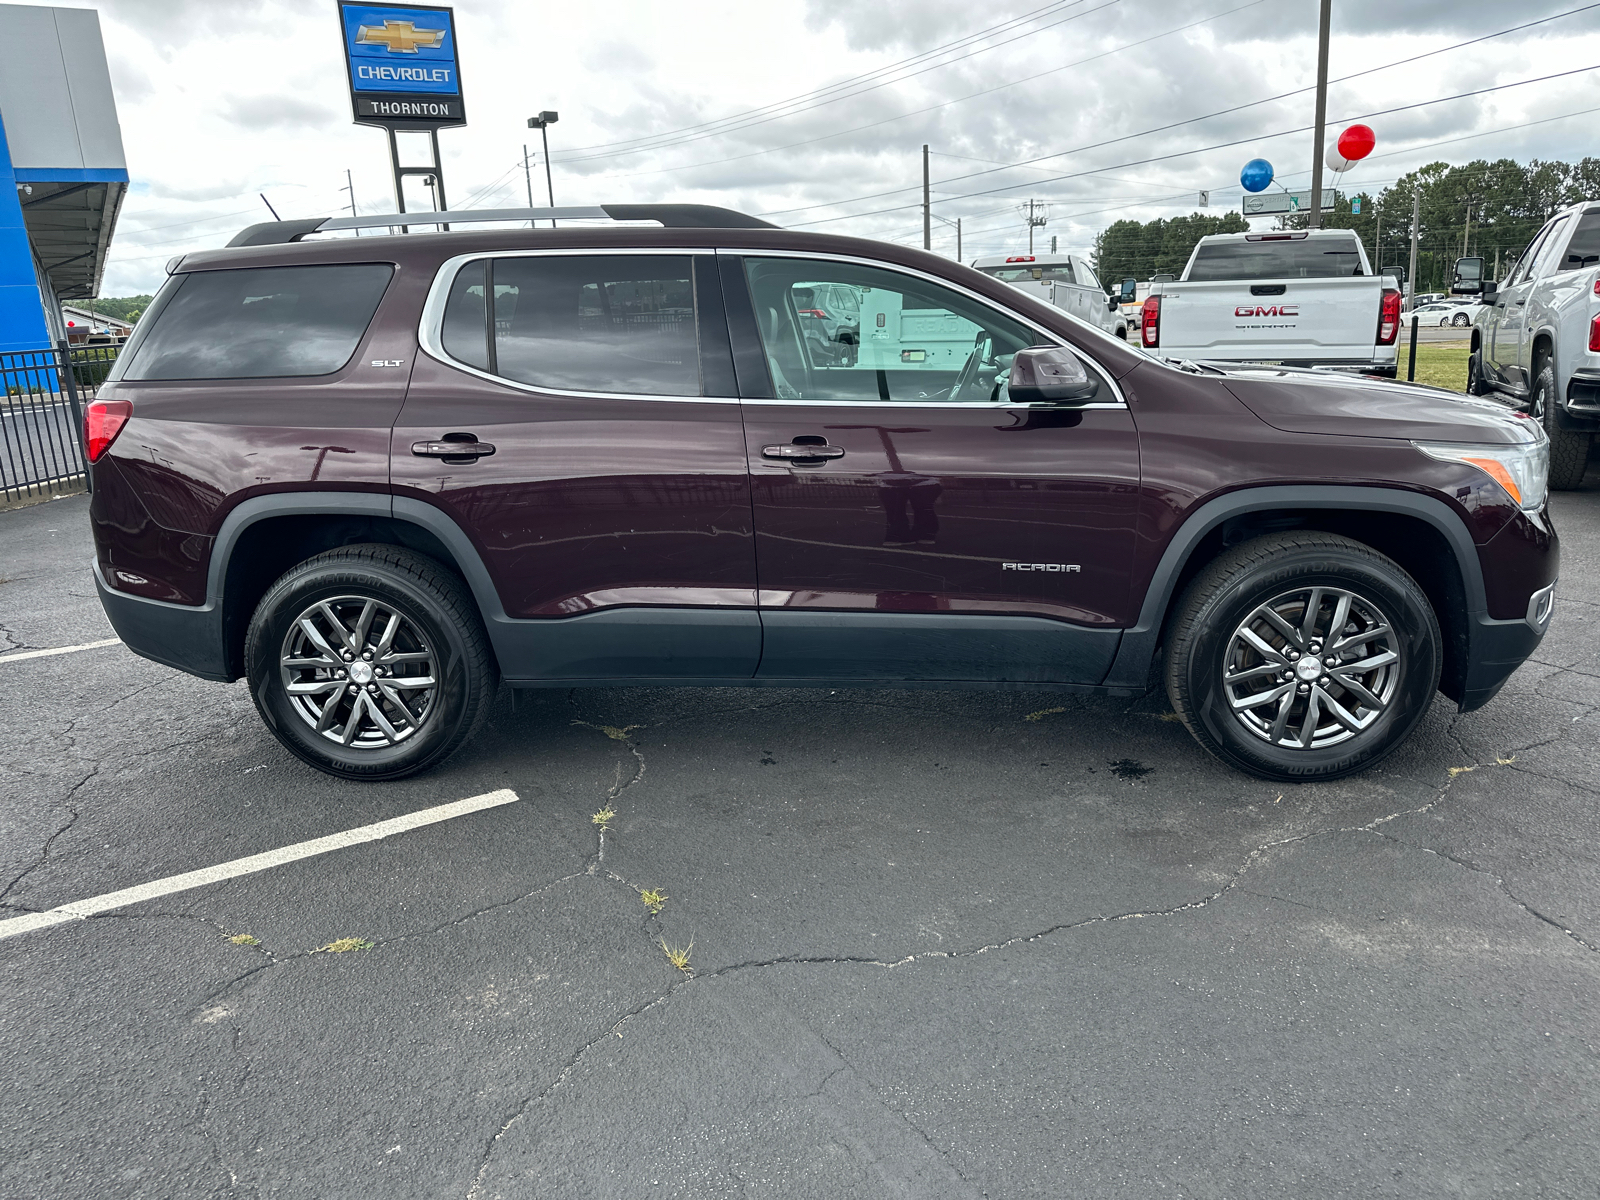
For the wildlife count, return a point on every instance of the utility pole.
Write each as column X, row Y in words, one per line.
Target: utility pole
column 527, row 175
column 350, row 186
column 927, row 211
column 1466, row 229
column 542, row 123
column 1314, row 220
column 958, row 242
column 1036, row 220
column 1416, row 220
column 1377, row 238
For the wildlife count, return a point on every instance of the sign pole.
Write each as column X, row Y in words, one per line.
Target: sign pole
column 1314, row 219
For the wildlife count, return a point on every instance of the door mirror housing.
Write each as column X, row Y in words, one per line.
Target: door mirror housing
column 1115, row 303
column 1129, row 292
column 1491, row 289
column 1469, row 277
column 1050, row 375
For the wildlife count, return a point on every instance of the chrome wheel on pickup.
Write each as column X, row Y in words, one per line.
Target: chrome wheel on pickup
column 1302, row 656
column 1311, row 668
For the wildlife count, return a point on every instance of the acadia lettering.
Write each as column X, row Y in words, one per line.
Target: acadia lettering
column 1262, row 310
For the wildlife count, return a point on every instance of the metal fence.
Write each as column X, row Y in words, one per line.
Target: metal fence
column 42, row 394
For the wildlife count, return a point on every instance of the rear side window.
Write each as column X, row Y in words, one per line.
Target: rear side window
column 616, row 323
column 1584, row 248
column 1300, row 258
column 260, row 323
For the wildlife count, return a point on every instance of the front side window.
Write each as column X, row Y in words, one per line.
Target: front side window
column 261, row 323
column 1279, row 258
column 1542, row 257
column 1584, row 248
column 615, row 323
column 907, row 340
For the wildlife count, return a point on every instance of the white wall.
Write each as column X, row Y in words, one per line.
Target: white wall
column 55, row 90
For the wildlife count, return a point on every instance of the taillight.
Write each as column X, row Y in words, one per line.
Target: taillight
column 1150, row 322
column 102, row 422
column 814, row 312
column 1594, row 335
column 1389, row 317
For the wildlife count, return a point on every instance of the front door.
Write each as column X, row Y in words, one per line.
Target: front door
column 582, row 430
column 911, row 522
column 1510, row 317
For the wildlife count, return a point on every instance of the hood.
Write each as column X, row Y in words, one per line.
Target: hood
column 1305, row 401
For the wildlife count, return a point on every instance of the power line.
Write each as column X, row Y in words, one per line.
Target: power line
column 1034, row 183
column 770, row 111
column 1209, row 116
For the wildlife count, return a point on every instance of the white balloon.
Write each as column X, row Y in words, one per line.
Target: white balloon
column 1336, row 161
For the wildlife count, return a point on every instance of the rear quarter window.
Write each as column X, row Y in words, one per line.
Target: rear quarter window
column 261, row 322
column 1584, row 248
column 1302, row 258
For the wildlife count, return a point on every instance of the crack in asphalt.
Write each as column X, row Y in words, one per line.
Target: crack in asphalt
column 67, row 803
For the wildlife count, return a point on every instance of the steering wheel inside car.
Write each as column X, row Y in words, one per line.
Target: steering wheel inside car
column 981, row 355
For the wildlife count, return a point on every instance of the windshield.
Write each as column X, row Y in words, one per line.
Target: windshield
column 1302, row 258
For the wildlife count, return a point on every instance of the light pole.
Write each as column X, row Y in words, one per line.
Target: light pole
column 541, row 123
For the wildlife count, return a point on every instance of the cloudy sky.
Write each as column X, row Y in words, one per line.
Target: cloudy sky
column 814, row 112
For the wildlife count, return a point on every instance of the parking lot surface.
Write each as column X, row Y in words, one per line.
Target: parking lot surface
column 940, row 944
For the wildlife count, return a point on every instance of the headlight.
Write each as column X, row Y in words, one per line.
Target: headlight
column 1523, row 471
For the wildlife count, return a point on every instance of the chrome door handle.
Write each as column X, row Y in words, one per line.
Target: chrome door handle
column 802, row 451
column 452, row 449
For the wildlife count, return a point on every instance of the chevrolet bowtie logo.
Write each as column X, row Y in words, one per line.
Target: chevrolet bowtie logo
column 401, row 37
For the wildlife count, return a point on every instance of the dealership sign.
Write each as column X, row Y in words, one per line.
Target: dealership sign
column 1261, row 204
column 402, row 64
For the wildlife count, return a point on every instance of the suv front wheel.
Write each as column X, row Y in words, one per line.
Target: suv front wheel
column 1302, row 656
column 369, row 662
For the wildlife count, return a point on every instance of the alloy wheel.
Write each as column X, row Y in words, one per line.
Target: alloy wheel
column 1311, row 668
column 359, row 672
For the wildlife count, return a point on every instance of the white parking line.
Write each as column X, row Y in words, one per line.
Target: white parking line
column 59, row 650
column 79, row 910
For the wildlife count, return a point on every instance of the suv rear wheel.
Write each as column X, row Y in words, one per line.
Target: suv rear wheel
column 369, row 662
column 1302, row 656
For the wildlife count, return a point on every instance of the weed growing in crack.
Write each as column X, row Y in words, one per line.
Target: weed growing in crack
column 246, row 939
column 343, row 946
column 1043, row 713
column 678, row 958
column 1454, row 771
column 1505, row 762
column 604, row 817
column 655, row 901
column 611, row 731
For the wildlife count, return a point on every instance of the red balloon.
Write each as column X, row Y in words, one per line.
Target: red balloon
column 1357, row 142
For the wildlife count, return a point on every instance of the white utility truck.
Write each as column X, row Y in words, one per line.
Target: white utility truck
column 1306, row 298
column 1064, row 280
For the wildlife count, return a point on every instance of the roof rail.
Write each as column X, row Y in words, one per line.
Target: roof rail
column 672, row 216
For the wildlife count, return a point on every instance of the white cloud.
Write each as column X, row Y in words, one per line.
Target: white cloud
column 220, row 101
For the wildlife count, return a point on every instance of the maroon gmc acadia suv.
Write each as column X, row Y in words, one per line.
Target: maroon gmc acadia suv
column 378, row 476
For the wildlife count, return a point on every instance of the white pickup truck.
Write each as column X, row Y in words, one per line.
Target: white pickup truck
column 1305, row 299
column 1536, row 340
column 1064, row 280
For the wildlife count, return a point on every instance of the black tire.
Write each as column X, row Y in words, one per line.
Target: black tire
column 1460, row 318
column 1476, row 386
column 1569, row 450
column 437, row 628
column 1203, row 633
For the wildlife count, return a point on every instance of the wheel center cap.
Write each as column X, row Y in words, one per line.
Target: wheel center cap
column 1308, row 668
column 361, row 672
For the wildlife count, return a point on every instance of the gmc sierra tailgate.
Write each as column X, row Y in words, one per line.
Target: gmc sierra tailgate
column 1268, row 320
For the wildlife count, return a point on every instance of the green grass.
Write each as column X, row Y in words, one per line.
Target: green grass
column 1440, row 366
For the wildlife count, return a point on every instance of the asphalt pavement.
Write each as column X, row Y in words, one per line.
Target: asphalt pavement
column 940, row 944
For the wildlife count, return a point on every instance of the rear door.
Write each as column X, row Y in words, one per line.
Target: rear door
column 911, row 522
column 601, row 474
column 1510, row 315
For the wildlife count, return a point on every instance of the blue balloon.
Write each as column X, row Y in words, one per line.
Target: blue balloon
column 1257, row 175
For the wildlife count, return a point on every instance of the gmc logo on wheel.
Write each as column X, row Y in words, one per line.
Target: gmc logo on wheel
column 1262, row 310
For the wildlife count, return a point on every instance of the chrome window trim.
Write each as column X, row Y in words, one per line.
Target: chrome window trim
column 430, row 328
column 1052, row 338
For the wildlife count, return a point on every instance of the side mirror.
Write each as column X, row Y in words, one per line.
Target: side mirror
column 1115, row 303
column 1129, row 292
column 1491, row 289
column 1050, row 375
column 1469, row 277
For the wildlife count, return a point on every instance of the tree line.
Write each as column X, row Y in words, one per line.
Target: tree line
column 1485, row 208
